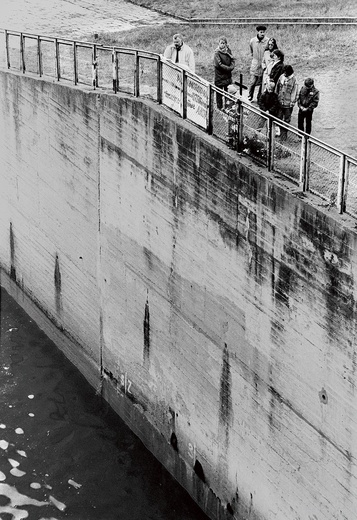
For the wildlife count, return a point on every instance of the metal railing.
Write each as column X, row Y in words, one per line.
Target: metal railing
column 305, row 160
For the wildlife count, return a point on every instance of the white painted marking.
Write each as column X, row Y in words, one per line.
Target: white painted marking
column 4, row 445
column 14, row 463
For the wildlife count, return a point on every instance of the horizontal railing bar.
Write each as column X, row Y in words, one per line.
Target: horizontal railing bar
column 154, row 57
column 325, row 146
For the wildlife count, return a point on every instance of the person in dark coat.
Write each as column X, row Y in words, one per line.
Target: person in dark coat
column 269, row 101
column 308, row 100
column 278, row 67
column 224, row 63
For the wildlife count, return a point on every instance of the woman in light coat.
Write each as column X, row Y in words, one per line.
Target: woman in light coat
column 268, row 61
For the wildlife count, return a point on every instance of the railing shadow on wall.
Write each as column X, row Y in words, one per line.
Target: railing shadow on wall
column 305, row 160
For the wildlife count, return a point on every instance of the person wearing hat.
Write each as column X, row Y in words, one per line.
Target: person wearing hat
column 287, row 90
column 223, row 65
column 257, row 47
column 308, row 100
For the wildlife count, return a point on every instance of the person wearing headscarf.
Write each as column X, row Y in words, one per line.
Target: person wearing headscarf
column 257, row 47
column 224, row 64
column 308, row 100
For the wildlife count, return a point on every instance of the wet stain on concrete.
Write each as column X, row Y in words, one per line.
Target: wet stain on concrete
column 12, row 254
column 174, row 441
column 198, row 469
column 275, row 401
column 283, row 285
column 225, row 392
column 146, row 327
column 58, row 286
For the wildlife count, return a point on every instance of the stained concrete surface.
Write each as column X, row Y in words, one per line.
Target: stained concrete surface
column 63, row 452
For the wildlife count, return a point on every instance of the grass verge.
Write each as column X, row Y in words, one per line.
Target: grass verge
column 306, row 48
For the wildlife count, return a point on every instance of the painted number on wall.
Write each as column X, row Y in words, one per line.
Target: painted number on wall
column 125, row 383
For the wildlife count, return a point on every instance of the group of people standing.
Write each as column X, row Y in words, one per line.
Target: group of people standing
column 276, row 82
column 277, row 85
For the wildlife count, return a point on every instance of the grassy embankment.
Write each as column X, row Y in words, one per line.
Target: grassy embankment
column 308, row 48
column 252, row 8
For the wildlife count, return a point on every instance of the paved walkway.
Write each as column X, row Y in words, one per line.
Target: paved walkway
column 74, row 18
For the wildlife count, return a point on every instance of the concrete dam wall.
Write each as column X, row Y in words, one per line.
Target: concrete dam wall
column 213, row 305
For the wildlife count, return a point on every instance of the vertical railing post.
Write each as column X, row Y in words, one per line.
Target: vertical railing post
column 39, row 56
column 7, row 49
column 57, row 58
column 114, row 70
column 307, row 167
column 22, row 53
column 184, row 94
column 94, row 67
column 137, row 75
column 75, row 63
column 270, row 150
column 240, row 84
column 303, row 181
column 159, row 80
column 210, row 109
column 341, row 205
column 240, row 125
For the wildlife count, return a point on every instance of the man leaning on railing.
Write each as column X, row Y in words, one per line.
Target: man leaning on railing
column 180, row 53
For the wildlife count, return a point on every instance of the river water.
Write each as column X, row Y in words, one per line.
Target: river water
column 63, row 453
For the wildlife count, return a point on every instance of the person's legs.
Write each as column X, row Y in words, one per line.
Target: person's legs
column 301, row 120
column 259, row 83
column 283, row 116
column 287, row 114
column 308, row 121
column 219, row 100
column 252, row 85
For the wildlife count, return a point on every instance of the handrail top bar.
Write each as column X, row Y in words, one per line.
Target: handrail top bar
column 157, row 56
column 59, row 39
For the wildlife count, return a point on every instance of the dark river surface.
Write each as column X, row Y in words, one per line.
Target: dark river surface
column 63, row 451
